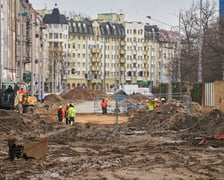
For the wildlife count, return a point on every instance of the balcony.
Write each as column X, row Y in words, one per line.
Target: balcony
column 94, row 59
column 95, row 68
column 122, row 69
column 55, row 49
column 123, row 43
column 98, row 50
column 122, row 51
column 122, row 60
column 93, row 50
column 98, row 59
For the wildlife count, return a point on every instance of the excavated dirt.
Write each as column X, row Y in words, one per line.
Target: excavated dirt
column 161, row 144
column 82, row 94
column 53, row 98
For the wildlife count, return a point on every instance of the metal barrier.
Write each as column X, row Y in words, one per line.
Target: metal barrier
column 123, row 103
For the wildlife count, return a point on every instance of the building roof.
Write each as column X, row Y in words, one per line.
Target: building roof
column 55, row 18
column 112, row 29
column 171, row 36
column 149, row 29
column 81, row 27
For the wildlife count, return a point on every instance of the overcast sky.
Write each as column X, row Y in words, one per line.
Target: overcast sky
column 134, row 10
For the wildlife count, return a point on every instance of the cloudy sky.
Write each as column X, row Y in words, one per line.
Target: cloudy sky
column 134, row 10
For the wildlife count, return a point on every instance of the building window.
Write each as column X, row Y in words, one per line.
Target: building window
column 55, row 26
column 55, row 35
column 140, row 73
column 55, row 44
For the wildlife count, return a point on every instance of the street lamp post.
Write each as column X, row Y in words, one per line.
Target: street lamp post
column 200, row 47
column 21, row 44
column 104, row 75
column 39, row 74
column 153, row 57
column 179, row 51
column 179, row 44
column 1, row 68
column 32, row 60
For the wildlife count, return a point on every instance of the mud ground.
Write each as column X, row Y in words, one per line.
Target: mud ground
column 166, row 143
column 93, row 150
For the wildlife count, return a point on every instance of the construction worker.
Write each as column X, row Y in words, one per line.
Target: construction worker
column 60, row 113
column 71, row 114
column 103, row 106
column 156, row 103
column 149, row 105
column 163, row 100
column 66, row 113
column 106, row 105
column 22, row 91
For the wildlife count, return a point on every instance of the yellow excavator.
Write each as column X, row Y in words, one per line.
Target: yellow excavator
column 17, row 96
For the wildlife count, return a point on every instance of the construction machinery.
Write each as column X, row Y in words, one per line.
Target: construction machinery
column 35, row 150
column 16, row 96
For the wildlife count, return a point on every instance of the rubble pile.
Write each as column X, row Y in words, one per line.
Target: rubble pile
column 13, row 124
column 210, row 124
column 81, row 94
column 170, row 116
column 137, row 98
column 173, row 116
column 53, row 98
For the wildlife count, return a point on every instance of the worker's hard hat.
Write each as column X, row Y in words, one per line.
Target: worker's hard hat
column 155, row 99
column 67, row 104
column 71, row 104
column 60, row 107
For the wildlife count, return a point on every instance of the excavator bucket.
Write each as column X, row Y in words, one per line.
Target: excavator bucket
column 36, row 150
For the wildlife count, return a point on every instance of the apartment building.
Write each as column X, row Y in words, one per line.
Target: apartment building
column 168, row 54
column 19, row 25
column 134, row 52
column 151, row 53
column 96, row 51
column 57, row 42
column 105, row 54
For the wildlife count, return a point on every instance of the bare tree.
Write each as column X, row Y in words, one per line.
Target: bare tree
column 189, row 53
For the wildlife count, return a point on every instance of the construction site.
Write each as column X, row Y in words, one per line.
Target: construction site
column 175, row 140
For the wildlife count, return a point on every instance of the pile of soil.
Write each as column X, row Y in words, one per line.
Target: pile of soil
column 53, row 98
column 210, row 124
column 21, row 126
column 170, row 116
column 173, row 116
column 82, row 94
column 137, row 98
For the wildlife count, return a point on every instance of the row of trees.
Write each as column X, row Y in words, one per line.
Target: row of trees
column 212, row 47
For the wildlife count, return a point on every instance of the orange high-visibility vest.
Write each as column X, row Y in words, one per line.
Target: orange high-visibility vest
column 102, row 104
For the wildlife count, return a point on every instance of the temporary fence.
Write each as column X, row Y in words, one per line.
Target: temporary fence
column 123, row 103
